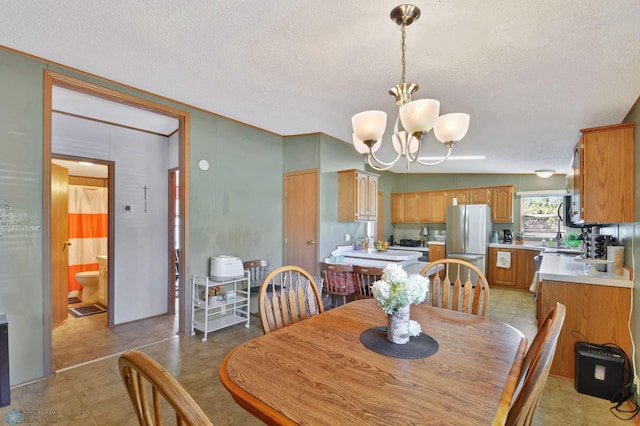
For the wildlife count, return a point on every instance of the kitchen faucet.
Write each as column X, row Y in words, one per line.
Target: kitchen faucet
column 559, row 234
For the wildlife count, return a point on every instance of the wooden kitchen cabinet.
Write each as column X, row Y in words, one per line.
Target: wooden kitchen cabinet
column 480, row 196
column 601, row 179
column 424, row 207
column 431, row 206
column 397, row 208
column 436, row 251
column 526, row 267
column 502, row 276
column 438, row 213
column 411, row 208
column 598, row 312
column 502, row 204
column 357, row 196
column 519, row 275
column 461, row 196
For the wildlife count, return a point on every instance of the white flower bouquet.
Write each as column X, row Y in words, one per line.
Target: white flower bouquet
column 397, row 290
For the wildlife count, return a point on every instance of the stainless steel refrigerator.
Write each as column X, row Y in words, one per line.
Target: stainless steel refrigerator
column 468, row 233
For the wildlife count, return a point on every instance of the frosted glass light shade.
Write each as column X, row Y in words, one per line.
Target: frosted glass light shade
column 451, row 127
column 364, row 149
column 369, row 125
column 420, row 115
column 404, row 142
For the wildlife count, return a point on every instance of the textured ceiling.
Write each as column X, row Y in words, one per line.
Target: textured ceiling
column 530, row 73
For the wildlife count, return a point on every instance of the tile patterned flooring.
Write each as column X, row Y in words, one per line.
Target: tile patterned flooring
column 87, row 389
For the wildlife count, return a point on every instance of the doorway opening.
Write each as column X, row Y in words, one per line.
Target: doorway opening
column 181, row 139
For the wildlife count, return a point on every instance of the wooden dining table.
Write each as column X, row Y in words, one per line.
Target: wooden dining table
column 317, row 372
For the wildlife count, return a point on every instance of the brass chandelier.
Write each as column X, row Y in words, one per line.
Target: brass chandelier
column 415, row 118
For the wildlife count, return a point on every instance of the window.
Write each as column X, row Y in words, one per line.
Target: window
column 539, row 215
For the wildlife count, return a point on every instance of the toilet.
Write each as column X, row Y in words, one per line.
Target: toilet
column 89, row 282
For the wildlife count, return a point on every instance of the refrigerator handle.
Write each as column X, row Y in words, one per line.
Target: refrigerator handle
column 466, row 229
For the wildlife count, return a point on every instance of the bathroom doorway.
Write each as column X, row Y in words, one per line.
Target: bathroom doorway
column 80, row 237
column 180, row 137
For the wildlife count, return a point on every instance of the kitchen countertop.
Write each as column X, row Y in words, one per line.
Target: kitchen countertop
column 533, row 246
column 435, row 243
column 560, row 267
column 389, row 255
column 421, row 249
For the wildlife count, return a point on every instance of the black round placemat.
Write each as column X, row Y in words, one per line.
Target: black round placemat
column 420, row 346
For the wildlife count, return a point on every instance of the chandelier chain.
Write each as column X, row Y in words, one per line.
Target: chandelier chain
column 404, row 49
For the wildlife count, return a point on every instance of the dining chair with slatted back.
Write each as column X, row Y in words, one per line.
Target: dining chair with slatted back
column 150, row 387
column 288, row 295
column 257, row 270
column 535, row 369
column 338, row 281
column 365, row 277
column 460, row 286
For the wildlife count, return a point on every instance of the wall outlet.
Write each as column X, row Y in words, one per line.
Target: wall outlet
column 634, row 386
column 347, row 237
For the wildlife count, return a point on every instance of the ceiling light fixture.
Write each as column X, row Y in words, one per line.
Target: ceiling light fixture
column 545, row 173
column 417, row 118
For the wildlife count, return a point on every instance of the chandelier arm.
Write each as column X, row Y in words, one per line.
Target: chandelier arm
column 412, row 158
column 373, row 166
column 383, row 163
column 442, row 160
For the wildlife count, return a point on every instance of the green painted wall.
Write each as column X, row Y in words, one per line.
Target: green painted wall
column 236, row 205
column 21, row 272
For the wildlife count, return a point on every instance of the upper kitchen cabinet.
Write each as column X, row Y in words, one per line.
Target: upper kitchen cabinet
column 357, row 196
column 480, row 196
column 397, row 208
column 460, row 195
column 411, row 207
column 438, row 212
column 601, row 179
column 502, row 204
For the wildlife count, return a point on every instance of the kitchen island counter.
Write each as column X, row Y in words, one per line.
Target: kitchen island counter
column 389, row 255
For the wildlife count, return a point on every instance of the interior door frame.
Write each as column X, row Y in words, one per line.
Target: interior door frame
column 171, row 284
column 111, row 179
column 51, row 79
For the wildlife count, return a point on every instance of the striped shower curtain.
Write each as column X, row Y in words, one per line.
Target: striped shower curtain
column 88, row 226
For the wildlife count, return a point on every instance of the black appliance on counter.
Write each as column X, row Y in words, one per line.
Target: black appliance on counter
column 406, row 242
column 507, row 236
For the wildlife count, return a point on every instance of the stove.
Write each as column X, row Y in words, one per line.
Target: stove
column 409, row 243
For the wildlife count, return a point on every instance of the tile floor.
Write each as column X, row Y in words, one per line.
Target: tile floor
column 87, row 390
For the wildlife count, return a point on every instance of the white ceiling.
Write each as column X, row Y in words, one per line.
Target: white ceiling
column 72, row 102
column 84, row 169
column 530, row 73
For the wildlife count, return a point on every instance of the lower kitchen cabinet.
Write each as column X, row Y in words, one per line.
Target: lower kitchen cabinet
column 520, row 272
column 600, row 313
column 436, row 252
column 526, row 267
column 503, row 275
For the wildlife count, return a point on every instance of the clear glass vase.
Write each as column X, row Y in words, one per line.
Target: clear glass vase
column 398, row 327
